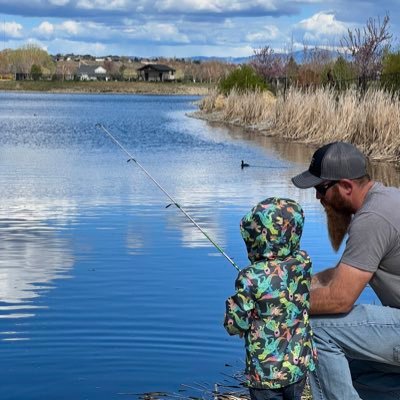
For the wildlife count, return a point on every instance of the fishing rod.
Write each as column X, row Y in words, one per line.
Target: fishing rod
column 131, row 158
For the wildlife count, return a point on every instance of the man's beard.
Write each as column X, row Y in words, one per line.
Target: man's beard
column 338, row 219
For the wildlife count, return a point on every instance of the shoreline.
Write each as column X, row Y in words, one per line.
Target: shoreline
column 264, row 129
column 386, row 170
column 313, row 118
column 102, row 87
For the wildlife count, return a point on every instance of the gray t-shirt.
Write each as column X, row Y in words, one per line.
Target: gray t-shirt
column 374, row 242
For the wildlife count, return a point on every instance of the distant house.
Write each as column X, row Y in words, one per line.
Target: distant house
column 156, row 73
column 92, row 73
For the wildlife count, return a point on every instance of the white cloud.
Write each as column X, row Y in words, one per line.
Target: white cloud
column 164, row 32
column 228, row 23
column 102, row 4
column 269, row 32
column 223, row 51
column 77, row 31
column 12, row 29
column 156, row 31
column 214, row 6
column 69, row 46
column 193, row 5
column 322, row 24
column 45, row 29
column 70, row 27
column 59, row 2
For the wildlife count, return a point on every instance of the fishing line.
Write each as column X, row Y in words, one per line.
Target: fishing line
column 131, row 158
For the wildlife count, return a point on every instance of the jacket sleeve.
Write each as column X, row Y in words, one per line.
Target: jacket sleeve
column 239, row 307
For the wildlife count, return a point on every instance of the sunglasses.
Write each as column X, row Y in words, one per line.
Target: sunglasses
column 322, row 188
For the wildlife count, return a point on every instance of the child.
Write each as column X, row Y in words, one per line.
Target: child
column 271, row 304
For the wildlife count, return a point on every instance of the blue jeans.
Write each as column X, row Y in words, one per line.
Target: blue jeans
column 358, row 355
column 291, row 392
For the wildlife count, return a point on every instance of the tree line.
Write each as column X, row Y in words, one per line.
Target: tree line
column 365, row 56
column 32, row 62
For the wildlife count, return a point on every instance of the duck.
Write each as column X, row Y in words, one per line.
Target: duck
column 243, row 165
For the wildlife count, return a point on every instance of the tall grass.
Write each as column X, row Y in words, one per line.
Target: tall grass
column 370, row 121
column 249, row 108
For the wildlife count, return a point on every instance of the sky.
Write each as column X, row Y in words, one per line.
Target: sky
column 186, row 28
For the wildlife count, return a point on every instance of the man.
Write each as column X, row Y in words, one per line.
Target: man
column 358, row 345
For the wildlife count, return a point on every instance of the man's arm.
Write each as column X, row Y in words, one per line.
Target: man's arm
column 335, row 290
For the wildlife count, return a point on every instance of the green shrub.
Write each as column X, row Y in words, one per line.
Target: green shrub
column 36, row 72
column 242, row 79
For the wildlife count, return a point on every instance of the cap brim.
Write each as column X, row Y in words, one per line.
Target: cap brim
column 306, row 180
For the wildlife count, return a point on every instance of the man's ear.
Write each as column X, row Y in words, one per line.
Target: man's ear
column 346, row 186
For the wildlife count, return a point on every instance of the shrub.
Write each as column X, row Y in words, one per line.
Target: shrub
column 36, row 72
column 340, row 74
column 390, row 78
column 242, row 79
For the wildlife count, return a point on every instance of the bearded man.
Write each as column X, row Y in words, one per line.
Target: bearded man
column 358, row 345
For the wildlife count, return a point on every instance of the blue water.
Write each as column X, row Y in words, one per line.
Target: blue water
column 104, row 292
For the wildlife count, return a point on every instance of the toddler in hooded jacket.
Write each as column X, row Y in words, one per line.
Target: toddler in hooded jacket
column 271, row 305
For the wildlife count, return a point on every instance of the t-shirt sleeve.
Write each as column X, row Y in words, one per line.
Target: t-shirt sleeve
column 369, row 240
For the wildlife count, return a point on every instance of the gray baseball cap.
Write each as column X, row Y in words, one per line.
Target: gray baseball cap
column 332, row 162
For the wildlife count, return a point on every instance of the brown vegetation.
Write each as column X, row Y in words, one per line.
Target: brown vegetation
column 370, row 121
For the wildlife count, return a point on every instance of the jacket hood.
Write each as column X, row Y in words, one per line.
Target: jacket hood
column 272, row 229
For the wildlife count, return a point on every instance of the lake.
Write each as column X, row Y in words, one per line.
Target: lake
column 104, row 292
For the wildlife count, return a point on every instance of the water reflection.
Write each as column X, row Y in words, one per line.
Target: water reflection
column 32, row 257
column 387, row 173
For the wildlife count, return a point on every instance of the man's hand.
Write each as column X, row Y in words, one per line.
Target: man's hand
column 335, row 290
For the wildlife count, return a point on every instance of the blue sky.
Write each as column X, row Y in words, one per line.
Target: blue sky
column 185, row 28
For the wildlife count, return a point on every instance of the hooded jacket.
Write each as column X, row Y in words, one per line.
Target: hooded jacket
column 271, row 305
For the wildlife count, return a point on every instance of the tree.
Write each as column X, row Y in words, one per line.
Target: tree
column 267, row 63
column 36, row 72
column 390, row 78
column 4, row 62
column 367, row 46
column 65, row 70
column 113, row 69
column 339, row 74
column 22, row 59
column 291, row 68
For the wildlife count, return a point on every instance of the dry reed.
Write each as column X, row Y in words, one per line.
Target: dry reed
column 370, row 121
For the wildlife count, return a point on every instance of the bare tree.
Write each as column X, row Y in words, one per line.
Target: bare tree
column 213, row 70
column 65, row 70
column 268, row 64
column 368, row 45
column 4, row 62
column 22, row 59
column 113, row 69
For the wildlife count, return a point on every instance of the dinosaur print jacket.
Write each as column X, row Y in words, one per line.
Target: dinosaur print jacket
column 271, row 305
